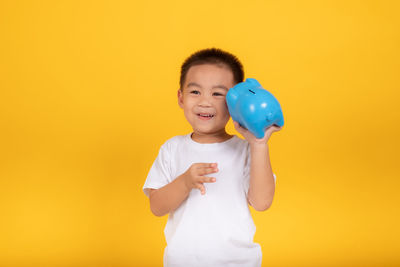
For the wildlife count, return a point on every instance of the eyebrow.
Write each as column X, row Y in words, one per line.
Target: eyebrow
column 215, row 86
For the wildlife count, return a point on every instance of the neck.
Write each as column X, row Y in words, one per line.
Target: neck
column 210, row 138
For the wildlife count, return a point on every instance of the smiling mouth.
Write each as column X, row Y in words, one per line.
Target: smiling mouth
column 205, row 116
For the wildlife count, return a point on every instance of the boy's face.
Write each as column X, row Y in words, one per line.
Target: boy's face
column 203, row 98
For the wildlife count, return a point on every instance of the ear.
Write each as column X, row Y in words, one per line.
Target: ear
column 180, row 98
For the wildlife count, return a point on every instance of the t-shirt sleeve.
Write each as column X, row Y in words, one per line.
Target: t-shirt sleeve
column 246, row 170
column 160, row 172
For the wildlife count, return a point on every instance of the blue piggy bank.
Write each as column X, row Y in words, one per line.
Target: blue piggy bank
column 253, row 107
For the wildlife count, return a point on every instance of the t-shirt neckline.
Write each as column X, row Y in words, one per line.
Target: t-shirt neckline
column 208, row 145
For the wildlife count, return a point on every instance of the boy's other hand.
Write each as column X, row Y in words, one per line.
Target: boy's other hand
column 194, row 176
column 251, row 138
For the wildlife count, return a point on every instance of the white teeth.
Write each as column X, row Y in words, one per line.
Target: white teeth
column 206, row 115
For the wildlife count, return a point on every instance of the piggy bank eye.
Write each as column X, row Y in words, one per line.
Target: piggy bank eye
column 252, row 91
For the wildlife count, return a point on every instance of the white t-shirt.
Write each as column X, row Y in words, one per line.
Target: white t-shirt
column 215, row 229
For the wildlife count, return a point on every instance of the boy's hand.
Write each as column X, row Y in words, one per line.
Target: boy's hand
column 251, row 138
column 194, row 176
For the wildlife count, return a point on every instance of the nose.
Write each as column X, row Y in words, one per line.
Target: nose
column 205, row 101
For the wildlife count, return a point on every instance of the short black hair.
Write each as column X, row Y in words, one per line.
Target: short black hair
column 213, row 56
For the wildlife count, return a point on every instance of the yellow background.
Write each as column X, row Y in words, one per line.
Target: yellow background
column 88, row 95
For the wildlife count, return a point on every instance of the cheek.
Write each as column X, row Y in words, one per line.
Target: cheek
column 223, row 108
column 224, row 105
column 188, row 103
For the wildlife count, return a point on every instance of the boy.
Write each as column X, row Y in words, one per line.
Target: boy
column 211, row 226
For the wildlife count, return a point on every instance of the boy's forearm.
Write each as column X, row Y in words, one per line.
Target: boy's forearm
column 262, row 184
column 169, row 197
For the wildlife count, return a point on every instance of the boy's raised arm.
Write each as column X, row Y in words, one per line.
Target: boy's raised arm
column 262, row 184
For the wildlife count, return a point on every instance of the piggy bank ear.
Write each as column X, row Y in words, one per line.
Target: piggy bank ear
column 253, row 83
column 232, row 96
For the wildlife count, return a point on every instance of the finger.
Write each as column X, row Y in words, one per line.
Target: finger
column 202, row 189
column 206, row 171
column 275, row 128
column 208, row 179
column 238, row 127
column 201, row 165
column 243, row 131
column 272, row 129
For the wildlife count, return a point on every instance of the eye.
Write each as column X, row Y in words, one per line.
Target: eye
column 218, row 94
column 195, row 92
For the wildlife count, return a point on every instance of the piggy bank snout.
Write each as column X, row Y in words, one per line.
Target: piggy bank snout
column 270, row 116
